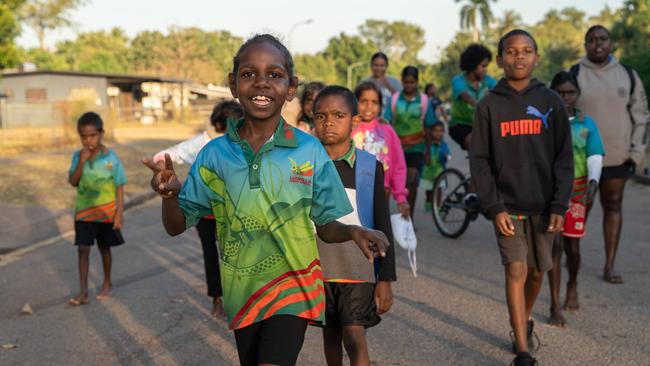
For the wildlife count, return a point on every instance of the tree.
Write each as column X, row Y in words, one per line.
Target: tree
column 345, row 50
column 9, row 30
column 147, row 52
column 473, row 12
column 606, row 17
column 100, row 51
column 631, row 31
column 45, row 60
column 190, row 53
column 560, row 41
column 632, row 27
column 315, row 68
column 507, row 22
column 45, row 15
column 402, row 41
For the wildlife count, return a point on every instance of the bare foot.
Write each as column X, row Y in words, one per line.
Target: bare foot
column 105, row 294
column 571, row 303
column 217, row 307
column 612, row 276
column 79, row 300
column 557, row 319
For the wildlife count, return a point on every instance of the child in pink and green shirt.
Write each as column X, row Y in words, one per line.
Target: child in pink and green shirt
column 376, row 136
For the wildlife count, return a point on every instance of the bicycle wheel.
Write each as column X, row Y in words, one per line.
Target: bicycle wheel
column 449, row 212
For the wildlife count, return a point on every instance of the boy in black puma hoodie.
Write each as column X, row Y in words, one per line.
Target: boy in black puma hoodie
column 521, row 162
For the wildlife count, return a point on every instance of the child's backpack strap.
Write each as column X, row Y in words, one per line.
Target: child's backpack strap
column 364, row 170
column 424, row 104
column 393, row 103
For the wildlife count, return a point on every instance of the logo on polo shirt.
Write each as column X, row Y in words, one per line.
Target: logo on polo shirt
column 301, row 172
column 305, row 170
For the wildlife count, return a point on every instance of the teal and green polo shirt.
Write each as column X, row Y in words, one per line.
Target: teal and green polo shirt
column 97, row 187
column 265, row 206
column 462, row 113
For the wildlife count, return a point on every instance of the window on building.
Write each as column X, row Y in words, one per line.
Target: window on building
column 35, row 95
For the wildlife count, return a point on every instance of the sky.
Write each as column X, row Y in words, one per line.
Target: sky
column 439, row 18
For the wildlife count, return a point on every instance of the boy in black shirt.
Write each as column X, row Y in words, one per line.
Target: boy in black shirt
column 353, row 300
column 521, row 161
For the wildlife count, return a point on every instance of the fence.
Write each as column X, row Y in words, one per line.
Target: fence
column 25, row 115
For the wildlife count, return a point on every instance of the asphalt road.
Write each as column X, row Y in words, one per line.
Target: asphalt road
column 453, row 313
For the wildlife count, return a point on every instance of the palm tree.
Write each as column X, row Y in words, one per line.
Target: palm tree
column 508, row 21
column 470, row 14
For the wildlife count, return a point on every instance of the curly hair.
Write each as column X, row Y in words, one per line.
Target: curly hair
column 473, row 55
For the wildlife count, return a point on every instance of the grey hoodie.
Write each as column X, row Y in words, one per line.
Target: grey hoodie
column 604, row 95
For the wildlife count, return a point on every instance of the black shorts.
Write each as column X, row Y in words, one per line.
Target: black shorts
column 276, row 340
column 350, row 304
column 459, row 132
column 625, row 170
column 414, row 160
column 85, row 233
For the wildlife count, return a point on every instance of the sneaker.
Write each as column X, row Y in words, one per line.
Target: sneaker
column 531, row 336
column 428, row 206
column 524, row 359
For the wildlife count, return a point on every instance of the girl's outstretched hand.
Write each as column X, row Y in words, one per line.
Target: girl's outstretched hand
column 164, row 180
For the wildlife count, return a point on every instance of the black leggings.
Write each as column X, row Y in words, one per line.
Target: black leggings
column 276, row 340
column 207, row 233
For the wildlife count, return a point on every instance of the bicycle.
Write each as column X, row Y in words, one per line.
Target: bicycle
column 453, row 207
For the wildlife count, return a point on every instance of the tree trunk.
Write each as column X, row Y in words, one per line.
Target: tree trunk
column 475, row 35
column 40, row 33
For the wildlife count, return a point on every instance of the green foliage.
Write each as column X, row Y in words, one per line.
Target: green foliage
column 631, row 31
column 345, row 50
column 401, row 41
column 97, row 51
column 189, row 53
column 9, row 30
column 315, row 68
column 45, row 60
column 206, row 56
column 448, row 66
column 560, row 38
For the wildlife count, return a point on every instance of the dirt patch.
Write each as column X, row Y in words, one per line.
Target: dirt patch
column 42, row 178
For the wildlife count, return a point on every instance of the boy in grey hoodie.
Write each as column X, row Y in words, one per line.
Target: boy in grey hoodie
column 614, row 96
